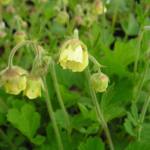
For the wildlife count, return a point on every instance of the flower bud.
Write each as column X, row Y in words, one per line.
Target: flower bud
column 62, row 17
column 2, row 34
column 89, row 20
column 5, row 2
column 78, row 20
column 65, row 2
column 20, row 36
column 98, row 8
column 99, row 82
column 74, row 55
column 2, row 29
column 2, row 25
column 34, row 87
column 14, row 79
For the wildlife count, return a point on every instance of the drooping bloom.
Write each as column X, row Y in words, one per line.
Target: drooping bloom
column 74, row 55
column 34, row 87
column 14, row 79
column 99, row 82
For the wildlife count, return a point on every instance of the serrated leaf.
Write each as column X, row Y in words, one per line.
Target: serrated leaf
column 117, row 61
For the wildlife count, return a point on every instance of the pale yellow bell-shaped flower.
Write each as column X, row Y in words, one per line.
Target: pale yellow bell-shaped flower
column 14, row 79
column 99, row 82
column 34, row 87
column 74, row 55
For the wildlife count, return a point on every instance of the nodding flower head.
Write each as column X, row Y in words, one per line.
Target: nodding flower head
column 74, row 55
column 14, row 79
column 62, row 17
column 98, row 8
column 34, row 87
column 99, row 82
column 5, row 2
column 20, row 36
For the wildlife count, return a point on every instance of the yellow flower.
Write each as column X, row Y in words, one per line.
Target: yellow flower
column 99, row 82
column 14, row 79
column 34, row 87
column 74, row 55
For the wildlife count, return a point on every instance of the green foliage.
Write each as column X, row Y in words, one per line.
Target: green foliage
column 113, row 39
column 92, row 143
column 138, row 146
column 27, row 121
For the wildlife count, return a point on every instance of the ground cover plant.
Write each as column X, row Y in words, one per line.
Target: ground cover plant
column 74, row 74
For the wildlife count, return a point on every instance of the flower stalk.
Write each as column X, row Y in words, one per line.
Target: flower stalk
column 60, row 100
column 100, row 116
column 14, row 50
column 52, row 116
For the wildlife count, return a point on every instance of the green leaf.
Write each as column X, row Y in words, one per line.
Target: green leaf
column 92, row 144
column 117, row 61
column 129, row 128
column 2, row 119
column 60, row 118
column 115, row 99
column 138, row 146
column 130, row 25
column 145, row 133
column 38, row 140
column 26, row 120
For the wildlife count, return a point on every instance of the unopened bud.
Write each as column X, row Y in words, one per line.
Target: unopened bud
column 98, row 7
column 99, row 82
column 5, row 2
column 20, row 36
column 62, row 17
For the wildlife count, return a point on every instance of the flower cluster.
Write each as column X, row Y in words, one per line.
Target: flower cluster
column 15, row 80
column 92, row 13
column 73, row 56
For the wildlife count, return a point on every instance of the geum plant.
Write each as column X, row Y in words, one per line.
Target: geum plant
column 73, row 55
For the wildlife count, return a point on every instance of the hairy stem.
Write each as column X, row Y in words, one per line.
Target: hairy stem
column 14, row 50
column 138, row 51
column 98, row 111
column 52, row 116
column 96, row 63
column 60, row 99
